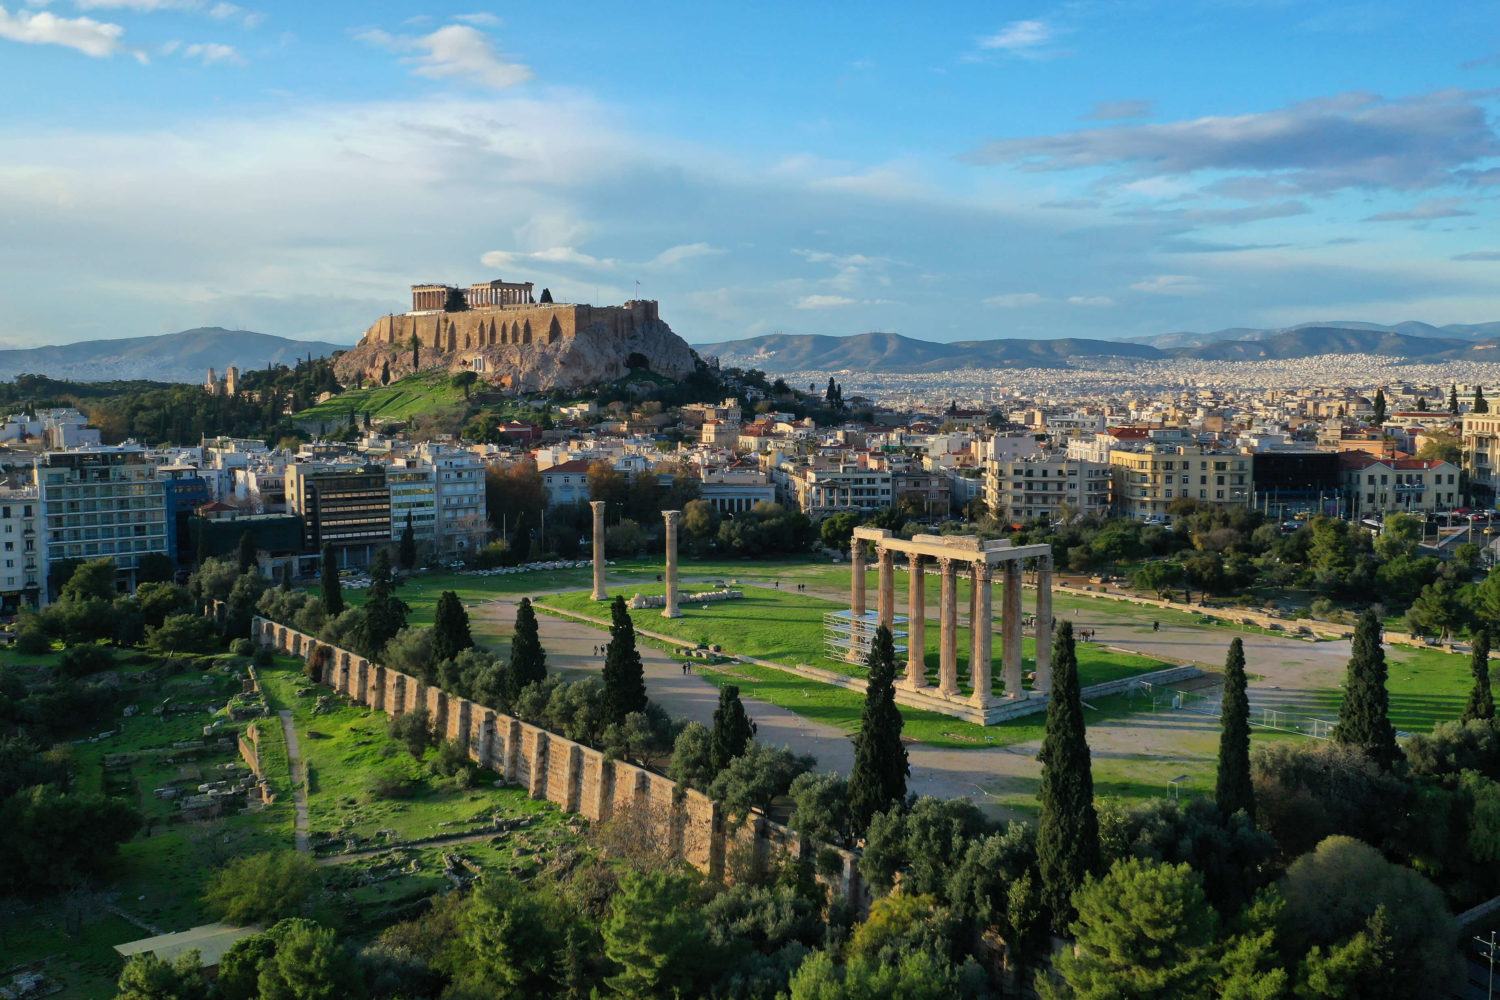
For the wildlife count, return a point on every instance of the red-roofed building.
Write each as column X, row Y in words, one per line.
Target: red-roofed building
column 567, row 482
column 1377, row 486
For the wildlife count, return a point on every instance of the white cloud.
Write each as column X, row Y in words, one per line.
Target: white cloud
column 213, row 52
column 454, row 52
column 93, row 38
column 1090, row 300
column 1019, row 37
column 686, row 251
column 1015, row 300
column 823, row 302
column 1170, row 284
column 483, row 19
column 502, row 259
column 1425, row 210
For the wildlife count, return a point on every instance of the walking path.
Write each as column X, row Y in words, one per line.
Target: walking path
column 299, row 779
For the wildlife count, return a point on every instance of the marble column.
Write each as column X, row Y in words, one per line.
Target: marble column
column 982, row 628
column 916, row 625
column 671, row 611
column 973, row 613
column 887, row 606
column 598, row 507
column 948, row 629
column 857, row 578
column 1043, row 682
column 1010, row 631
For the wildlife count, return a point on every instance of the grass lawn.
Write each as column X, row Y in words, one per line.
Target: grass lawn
column 787, row 628
column 84, row 964
column 1426, row 686
column 410, row 396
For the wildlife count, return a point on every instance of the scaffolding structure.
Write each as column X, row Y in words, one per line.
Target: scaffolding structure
column 848, row 637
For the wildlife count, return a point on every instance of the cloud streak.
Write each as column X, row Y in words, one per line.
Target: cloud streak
column 454, row 52
column 98, row 39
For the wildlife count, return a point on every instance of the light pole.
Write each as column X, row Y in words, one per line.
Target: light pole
column 1487, row 947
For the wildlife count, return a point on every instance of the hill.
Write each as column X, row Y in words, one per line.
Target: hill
column 414, row 395
column 892, row 352
column 1411, row 328
column 185, row 356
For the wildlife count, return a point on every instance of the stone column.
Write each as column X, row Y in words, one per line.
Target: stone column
column 916, row 625
column 948, row 629
column 1043, row 682
column 598, row 507
column 887, row 606
column 671, row 611
column 1010, row 631
column 974, row 569
column 982, row 628
column 857, row 578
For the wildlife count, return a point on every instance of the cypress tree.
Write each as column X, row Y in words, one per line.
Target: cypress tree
column 731, row 729
column 1481, row 405
column 385, row 373
column 450, row 628
column 1453, row 399
column 521, row 546
column 528, row 661
column 1233, row 790
column 247, row 553
column 385, row 615
column 878, row 780
column 1364, row 715
column 1068, row 834
column 624, row 677
column 1422, row 403
column 1481, row 701
column 333, row 594
column 1379, row 406
column 406, row 551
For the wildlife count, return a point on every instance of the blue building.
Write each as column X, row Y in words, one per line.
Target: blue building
column 186, row 491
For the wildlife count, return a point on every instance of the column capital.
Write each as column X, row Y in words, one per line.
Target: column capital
column 671, row 516
column 915, row 558
column 597, row 505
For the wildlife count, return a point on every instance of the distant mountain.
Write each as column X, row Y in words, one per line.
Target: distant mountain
column 891, row 352
column 170, row 357
column 1453, row 331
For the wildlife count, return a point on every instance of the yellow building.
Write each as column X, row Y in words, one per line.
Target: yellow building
column 1147, row 482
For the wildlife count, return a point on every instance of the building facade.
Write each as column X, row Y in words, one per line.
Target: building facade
column 1145, row 483
column 23, row 568
column 348, row 506
column 1374, row 487
column 102, row 502
column 1017, row 490
column 1481, row 433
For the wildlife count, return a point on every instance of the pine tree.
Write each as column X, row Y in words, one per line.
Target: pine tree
column 1453, row 399
column 546, row 296
column 624, row 677
column 1481, row 701
column 528, row 661
column 1379, row 407
column 731, row 729
column 406, row 551
column 1364, row 715
column 1481, row 405
column 333, row 594
column 1068, row 833
column 450, row 628
column 878, row 779
column 247, row 553
column 1233, row 790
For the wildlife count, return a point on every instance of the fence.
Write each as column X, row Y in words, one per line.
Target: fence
column 1211, row 704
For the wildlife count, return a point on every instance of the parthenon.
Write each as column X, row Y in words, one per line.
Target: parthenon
column 480, row 295
column 981, row 558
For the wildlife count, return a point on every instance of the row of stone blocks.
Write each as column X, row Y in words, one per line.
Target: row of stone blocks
column 683, row 824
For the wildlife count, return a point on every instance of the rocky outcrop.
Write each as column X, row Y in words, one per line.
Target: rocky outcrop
column 532, row 347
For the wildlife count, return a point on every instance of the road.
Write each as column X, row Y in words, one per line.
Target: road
column 299, row 780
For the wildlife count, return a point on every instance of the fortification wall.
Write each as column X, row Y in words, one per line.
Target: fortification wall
column 681, row 823
column 492, row 326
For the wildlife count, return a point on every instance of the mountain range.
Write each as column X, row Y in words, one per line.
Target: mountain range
column 172, row 357
column 893, row 353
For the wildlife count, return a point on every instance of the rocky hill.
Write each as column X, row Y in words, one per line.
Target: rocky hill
column 171, row 357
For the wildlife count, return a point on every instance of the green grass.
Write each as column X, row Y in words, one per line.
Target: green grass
column 411, row 396
column 787, row 628
column 84, row 964
column 1426, row 686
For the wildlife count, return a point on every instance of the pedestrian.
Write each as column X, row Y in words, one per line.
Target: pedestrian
column 1156, row 626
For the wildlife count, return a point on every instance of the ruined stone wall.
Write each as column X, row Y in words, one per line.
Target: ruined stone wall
column 683, row 824
column 499, row 326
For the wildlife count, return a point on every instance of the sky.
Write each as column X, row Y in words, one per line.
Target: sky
column 949, row 171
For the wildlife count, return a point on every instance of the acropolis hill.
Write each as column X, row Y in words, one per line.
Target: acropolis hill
column 498, row 330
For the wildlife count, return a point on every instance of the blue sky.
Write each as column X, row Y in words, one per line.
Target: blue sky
column 949, row 171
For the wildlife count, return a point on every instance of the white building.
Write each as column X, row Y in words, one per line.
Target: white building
column 1376, row 486
column 97, row 502
column 1044, row 486
column 733, row 490
column 23, row 569
column 462, row 518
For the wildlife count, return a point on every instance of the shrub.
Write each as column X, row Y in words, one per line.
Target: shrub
column 261, row 888
column 242, row 647
column 33, row 642
column 86, row 659
column 263, row 657
column 393, row 785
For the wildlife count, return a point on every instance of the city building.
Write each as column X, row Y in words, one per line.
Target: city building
column 1481, row 434
column 1017, row 490
column 1288, row 483
column 462, row 519
column 1146, row 482
column 348, row 506
column 820, row 492
column 567, row 482
column 735, row 490
column 22, row 569
column 183, row 491
column 102, row 502
column 1375, row 486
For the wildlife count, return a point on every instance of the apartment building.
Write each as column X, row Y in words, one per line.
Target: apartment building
column 1481, row 433
column 462, row 519
column 821, row 492
column 1374, row 486
column 1019, row 490
column 1146, row 482
column 22, row 566
column 348, row 506
column 98, row 502
column 567, row 482
column 413, row 489
column 734, row 490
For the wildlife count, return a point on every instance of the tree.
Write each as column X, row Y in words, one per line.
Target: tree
column 1068, row 831
column 520, row 544
column 878, row 780
column 146, row 977
column 756, row 777
column 465, row 380
column 546, row 296
column 1143, row 930
column 92, row 580
column 1481, row 405
column 731, row 732
column 384, row 612
column 528, row 660
column 333, row 594
column 406, row 550
column 1363, row 714
column 508, row 941
column 820, row 807
column 308, row 963
column 385, row 372
column 415, row 344
column 1233, row 790
column 918, row 975
column 263, row 888
column 1453, row 399
column 414, row 729
column 183, row 634
column 1422, row 404
column 1481, row 704
column 656, row 937
column 1357, row 967
column 624, row 676
column 692, row 754
column 450, row 628
column 1379, row 414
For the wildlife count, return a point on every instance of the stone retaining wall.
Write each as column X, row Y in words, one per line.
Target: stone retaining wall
column 683, row 823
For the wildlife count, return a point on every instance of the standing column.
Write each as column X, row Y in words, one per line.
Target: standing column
column 948, row 629
column 670, row 611
column 857, row 578
column 887, row 606
column 973, row 615
column 916, row 625
column 1010, row 631
column 598, row 508
column 983, row 629
column 1043, row 624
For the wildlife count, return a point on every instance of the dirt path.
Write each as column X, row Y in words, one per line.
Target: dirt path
column 299, row 779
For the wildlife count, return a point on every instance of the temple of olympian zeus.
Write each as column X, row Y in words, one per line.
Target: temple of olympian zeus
column 670, row 517
column 979, row 560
